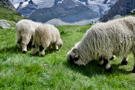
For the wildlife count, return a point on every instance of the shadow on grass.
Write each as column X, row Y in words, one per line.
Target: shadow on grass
column 15, row 50
column 11, row 50
column 92, row 69
column 48, row 51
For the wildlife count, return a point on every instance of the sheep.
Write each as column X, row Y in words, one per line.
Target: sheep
column 103, row 40
column 24, row 32
column 46, row 36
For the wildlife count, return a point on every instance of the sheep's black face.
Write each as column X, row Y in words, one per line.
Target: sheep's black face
column 72, row 59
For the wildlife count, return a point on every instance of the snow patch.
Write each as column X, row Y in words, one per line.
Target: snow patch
column 40, row 3
column 57, row 22
column 60, row 2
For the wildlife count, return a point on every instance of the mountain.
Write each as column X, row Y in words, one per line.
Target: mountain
column 28, row 9
column 6, row 4
column 66, row 11
column 122, row 7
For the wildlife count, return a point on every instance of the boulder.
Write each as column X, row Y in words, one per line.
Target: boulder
column 4, row 24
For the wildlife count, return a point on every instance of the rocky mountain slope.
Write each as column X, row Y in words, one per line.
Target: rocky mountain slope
column 6, row 4
column 122, row 7
column 64, row 11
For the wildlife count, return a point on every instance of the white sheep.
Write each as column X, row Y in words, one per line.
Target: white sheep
column 103, row 40
column 24, row 31
column 46, row 36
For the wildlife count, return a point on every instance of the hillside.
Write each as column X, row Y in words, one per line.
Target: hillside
column 66, row 12
column 20, row 71
column 9, row 14
column 52, row 72
column 6, row 4
column 122, row 7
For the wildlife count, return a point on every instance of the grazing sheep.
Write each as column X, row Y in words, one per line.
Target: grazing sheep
column 24, row 31
column 46, row 36
column 103, row 40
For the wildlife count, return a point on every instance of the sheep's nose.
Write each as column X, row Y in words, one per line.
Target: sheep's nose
column 70, row 59
column 60, row 46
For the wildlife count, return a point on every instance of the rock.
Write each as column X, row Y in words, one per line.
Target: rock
column 65, row 11
column 4, row 24
column 59, row 22
column 117, row 16
column 132, row 11
column 121, row 7
column 78, row 12
column 27, row 11
column 6, row 4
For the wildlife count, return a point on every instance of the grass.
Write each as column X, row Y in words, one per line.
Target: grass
column 10, row 15
column 52, row 72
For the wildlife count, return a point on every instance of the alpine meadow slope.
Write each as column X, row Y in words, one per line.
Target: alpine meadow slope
column 52, row 72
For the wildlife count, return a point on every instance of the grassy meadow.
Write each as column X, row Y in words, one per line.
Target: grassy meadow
column 9, row 14
column 20, row 71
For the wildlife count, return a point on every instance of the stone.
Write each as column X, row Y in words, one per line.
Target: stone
column 4, row 24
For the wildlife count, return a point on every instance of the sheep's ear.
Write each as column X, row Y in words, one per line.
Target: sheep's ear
column 75, row 50
column 76, row 57
column 76, row 54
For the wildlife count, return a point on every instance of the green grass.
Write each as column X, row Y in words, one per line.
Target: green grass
column 10, row 15
column 52, row 72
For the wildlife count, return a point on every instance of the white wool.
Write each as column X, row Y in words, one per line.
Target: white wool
column 24, row 31
column 47, row 35
column 116, row 37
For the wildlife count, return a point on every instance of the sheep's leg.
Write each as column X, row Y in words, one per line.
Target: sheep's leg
column 19, row 40
column 29, row 46
column 124, row 61
column 133, row 69
column 101, row 61
column 108, row 66
column 112, row 57
column 51, row 47
column 34, row 51
column 24, row 48
column 134, row 64
column 24, row 43
column 19, row 43
column 104, row 62
column 57, row 47
column 42, row 50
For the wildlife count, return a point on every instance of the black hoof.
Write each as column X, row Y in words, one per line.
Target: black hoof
column 41, row 55
column 124, row 62
column 109, row 70
column 133, row 71
column 23, row 51
column 33, row 54
column 100, row 65
column 112, row 57
column 57, row 49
